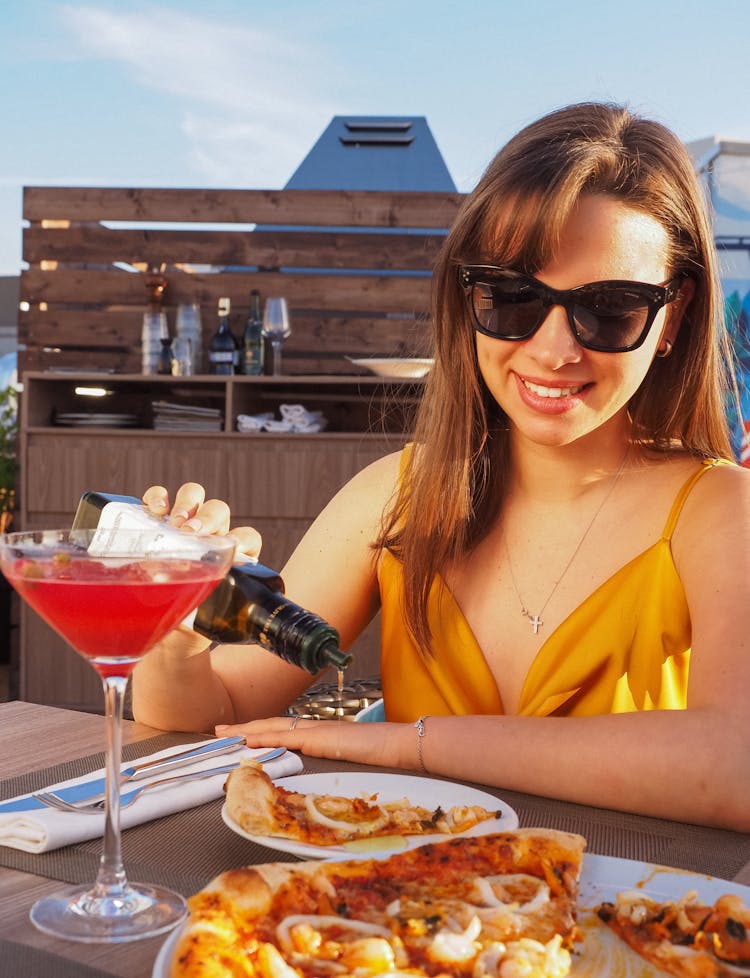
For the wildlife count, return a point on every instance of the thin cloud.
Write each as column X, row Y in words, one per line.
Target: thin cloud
column 246, row 104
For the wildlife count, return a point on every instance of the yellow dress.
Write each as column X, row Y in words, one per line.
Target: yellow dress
column 625, row 648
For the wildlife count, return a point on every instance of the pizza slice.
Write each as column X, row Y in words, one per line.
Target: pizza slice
column 494, row 905
column 262, row 808
column 686, row 937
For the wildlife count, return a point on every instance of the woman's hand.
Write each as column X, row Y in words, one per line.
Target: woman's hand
column 192, row 511
column 380, row 744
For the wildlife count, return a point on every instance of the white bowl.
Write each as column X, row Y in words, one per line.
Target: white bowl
column 410, row 367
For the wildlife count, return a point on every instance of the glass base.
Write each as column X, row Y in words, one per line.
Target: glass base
column 95, row 916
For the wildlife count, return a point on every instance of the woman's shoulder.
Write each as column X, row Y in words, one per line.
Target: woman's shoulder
column 716, row 510
column 372, row 486
column 718, row 482
column 382, row 472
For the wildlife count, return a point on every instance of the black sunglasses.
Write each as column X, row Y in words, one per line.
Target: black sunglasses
column 610, row 317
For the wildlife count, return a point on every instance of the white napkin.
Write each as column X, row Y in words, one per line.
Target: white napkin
column 274, row 425
column 294, row 417
column 40, row 830
column 302, row 420
column 252, row 422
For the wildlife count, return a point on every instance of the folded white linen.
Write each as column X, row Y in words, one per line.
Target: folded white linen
column 294, row 418
column 252, row 422
column 294, row 412
column 41, row 830
column 274, row 425
column 302, row 420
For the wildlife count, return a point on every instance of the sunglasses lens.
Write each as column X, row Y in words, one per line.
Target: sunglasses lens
column 509, row 308
column 607, row 316
column 610, row 319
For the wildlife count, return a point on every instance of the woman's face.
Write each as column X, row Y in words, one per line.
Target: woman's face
column 552, row 389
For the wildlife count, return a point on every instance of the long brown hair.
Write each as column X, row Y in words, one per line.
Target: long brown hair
column 455, row 478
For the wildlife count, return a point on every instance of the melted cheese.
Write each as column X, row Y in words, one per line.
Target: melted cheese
column 319, row 921
column 497, row 891
column 351, row 828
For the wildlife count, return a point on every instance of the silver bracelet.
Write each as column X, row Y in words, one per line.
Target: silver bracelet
column 421, row 731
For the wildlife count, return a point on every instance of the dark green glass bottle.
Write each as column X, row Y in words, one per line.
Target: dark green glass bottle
column 247, row 607
column 252, row 338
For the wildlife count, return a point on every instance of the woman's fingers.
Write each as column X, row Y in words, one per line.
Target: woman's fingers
column 193, row 511
column 210, row 517
column 156, row 500
column 187, row 503
column 248, row 541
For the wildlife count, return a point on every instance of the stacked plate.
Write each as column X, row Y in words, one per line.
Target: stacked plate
column 185, row 417
column 94, row 419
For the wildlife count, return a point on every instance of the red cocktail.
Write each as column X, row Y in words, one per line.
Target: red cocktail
column 134, row 604
column 112, row 603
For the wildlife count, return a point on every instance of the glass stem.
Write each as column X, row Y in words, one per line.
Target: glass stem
column 276, row 344
column 111, row 879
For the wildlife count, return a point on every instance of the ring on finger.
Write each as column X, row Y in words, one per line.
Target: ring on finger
column 294, row 722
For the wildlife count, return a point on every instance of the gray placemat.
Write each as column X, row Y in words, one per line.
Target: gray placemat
column 187, row 849
column 698, row 848
column 22, row 961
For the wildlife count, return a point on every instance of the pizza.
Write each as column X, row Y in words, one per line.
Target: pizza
column 683, row 937
column 262, row 808
column 494, row 905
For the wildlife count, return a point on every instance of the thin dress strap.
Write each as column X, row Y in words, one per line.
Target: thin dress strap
column 684, row 492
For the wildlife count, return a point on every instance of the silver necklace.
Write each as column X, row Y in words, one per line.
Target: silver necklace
column 536, row 620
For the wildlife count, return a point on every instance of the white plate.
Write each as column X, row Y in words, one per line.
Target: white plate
column 602, row 954
column 96, row 420
column 389, row 787
column 602, row 878
column 410, row 367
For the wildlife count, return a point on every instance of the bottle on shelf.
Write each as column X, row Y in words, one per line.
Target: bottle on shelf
column 252, row 339
column 247, row 607
column 154, row 328
column 165, row 356
column 189, row 330
column 223, row 352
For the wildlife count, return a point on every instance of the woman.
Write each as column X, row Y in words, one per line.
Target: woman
column 561, row 558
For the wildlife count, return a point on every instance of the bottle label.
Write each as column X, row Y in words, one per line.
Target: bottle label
column 117, row 516
column 252, row 361
column 221, row 356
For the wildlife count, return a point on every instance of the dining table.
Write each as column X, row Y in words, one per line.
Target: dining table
column 40, row 745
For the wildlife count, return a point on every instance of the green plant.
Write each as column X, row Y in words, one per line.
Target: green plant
column 8, row 457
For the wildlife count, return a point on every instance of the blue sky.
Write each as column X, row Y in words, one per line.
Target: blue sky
column 233, row 93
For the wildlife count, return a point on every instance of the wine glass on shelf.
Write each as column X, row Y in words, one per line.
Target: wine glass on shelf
column 276, row 328
column 112, row 595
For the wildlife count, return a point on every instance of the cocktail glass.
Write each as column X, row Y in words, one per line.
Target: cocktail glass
column 276, row 328
column 112, row 595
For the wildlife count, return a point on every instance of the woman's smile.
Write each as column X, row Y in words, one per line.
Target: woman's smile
column 552, row 389
column 551, row 396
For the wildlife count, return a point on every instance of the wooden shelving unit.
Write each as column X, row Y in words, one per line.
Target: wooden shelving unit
column 276, row 482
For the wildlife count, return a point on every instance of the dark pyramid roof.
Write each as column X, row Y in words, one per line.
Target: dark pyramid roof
column 374, row 153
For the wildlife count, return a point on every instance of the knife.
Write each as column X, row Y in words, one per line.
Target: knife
column 93, row 789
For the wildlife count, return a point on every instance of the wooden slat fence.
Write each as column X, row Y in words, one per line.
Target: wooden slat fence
column 354, row 266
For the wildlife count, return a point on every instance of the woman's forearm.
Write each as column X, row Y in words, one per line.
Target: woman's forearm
column 690, row 765
column 176, row 688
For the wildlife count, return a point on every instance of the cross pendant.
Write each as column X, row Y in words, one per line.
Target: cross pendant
column 536, row 623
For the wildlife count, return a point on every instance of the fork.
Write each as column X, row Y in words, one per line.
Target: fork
column 51, row 800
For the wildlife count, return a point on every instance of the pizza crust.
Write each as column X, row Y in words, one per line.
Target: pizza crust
column 249, row 797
